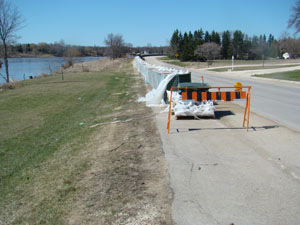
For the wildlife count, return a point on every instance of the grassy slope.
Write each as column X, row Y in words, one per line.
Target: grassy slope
column 40, row 135
column 289, row 75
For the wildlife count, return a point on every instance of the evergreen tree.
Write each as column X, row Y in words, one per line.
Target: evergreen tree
column 215, row 37
column 174, row 43
column 207, row 37
column 218, row 39
column 264, row 38
column 271, row 39
column 198, row 37
column 191, row 46
column 246, row 48
column 226, row 45
column 238, row 44
column 184, row 56
column 180, row 38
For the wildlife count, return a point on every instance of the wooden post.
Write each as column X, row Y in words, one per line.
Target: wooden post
column 50, row 70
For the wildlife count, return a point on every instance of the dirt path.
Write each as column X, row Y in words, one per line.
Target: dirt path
column 128, row 181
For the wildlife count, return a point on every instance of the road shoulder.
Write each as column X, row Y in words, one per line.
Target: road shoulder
column 221, row 174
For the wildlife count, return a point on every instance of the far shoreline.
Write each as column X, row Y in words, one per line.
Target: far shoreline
column 22, row 55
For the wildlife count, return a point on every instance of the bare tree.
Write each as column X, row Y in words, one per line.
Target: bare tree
column 289, row 44
column 209, row 50
column 295, row 17
column 10, row 22
column 116, row 45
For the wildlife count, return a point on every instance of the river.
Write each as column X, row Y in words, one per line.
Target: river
column 23, row 68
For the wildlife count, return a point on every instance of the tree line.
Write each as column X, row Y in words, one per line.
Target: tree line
column 114, row 49
column 200, row 45
column 58, row 49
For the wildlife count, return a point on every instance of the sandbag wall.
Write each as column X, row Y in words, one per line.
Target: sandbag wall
column 154, row 74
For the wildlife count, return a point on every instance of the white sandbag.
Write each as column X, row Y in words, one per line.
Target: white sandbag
column 191, row 108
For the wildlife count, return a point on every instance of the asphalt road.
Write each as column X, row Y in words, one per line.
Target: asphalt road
column 274, row 99
column 221, row 174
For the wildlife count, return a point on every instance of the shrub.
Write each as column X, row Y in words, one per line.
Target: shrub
column 69, row 63
column 11, row 85
column 85, row 69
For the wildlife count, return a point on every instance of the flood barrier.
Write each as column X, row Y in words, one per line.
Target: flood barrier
column 161, row 78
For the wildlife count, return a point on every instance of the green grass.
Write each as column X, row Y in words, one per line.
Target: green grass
column 44, row 127
column 251, row 68
column 289, row 75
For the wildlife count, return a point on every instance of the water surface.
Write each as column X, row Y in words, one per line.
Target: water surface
column 23, row 68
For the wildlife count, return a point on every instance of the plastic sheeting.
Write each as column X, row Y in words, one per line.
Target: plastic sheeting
column 155, row 96
column 158, row 77
column 154, row 74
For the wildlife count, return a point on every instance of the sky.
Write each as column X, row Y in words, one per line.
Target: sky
column 150, row 22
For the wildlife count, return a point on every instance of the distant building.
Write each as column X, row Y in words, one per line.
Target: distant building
column 286, row 55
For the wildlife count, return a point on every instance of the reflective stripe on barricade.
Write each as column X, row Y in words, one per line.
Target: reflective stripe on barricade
column 214, row 96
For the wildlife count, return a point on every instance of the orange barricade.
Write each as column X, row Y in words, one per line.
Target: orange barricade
column 219, row 95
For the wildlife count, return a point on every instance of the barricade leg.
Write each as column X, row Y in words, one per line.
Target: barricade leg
column 247, row 110
column 245, row 113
